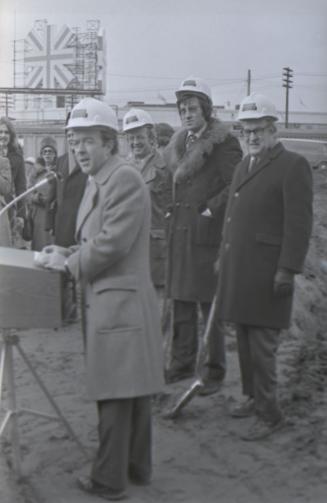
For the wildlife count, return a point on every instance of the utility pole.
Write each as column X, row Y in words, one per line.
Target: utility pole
column 287, row 79
column 249, row 83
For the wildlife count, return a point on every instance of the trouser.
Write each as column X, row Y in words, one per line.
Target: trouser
column 124, row 442
column 257, row 348
column 185, row 341
column 69, row 299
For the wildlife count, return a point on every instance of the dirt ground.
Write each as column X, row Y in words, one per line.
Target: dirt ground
column 199, row 457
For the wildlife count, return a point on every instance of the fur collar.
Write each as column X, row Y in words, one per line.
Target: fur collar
column 186, row 163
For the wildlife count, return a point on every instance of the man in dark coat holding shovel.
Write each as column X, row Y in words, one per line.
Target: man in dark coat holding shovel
column 201, row 156
column 265, row 240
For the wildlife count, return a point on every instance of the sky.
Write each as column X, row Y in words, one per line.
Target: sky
column 152, row 45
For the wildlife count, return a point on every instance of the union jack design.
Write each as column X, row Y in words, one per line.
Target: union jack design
column 49, row 59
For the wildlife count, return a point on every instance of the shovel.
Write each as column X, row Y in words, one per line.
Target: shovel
column 195, row 387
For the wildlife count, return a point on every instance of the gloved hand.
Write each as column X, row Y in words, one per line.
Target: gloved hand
column 57, row 249
column 53, row 257
column 283, row 283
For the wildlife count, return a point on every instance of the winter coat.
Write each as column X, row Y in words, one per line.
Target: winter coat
column 18, row 176
column 5, row 190
column 201, row 179
column 120, row 309
column 69, row 191
column 158, row 180
column 267, row 226
column 41, row 237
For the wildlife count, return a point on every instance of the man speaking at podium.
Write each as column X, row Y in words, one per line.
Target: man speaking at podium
column 120, row 313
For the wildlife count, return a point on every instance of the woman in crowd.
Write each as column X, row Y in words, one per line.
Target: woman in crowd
column 13, row 152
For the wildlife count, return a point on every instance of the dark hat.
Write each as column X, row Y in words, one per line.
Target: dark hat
column 48, row 141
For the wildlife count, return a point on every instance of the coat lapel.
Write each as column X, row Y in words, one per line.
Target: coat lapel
column 87, row 203
column 246, row 176
column 89, row 199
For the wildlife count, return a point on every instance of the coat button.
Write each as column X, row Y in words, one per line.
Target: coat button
column 228, row 220
column 84, row 240
column 227, row 246
column 177, row 204
column 87, row 306
column 236, row 194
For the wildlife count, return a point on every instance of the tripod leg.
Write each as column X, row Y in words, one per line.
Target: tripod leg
column 52, row 401
column 2, row 368
column 13, row 411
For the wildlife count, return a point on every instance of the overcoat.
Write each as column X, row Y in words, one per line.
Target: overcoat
column 267, row 226
column 69, row 190
column 18, row 175
column 41, row 237
column 121, row 313
column 158, row 181
column 201, row 178
column 5, row 189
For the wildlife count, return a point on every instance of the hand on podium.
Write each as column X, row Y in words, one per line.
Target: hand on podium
column 53, row 257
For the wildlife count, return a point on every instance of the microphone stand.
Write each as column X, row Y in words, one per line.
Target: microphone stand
column 48, row 178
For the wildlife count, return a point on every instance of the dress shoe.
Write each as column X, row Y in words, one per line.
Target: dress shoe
column 261, row 429
column 244, row 409
column 138, row 480
column 91, row 487
column 210, row 387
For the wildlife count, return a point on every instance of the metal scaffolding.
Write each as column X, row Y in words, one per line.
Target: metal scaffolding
column 82, row 66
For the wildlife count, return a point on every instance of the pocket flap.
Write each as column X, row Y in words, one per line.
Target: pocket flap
column 268, row 239
column 157, row 233
column 127, row 282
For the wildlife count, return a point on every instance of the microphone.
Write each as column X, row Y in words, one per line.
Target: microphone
column 47, row 179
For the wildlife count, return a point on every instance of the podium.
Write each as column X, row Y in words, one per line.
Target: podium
column 30, row 297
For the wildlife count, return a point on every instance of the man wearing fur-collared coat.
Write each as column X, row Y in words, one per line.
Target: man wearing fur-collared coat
column 201, row 156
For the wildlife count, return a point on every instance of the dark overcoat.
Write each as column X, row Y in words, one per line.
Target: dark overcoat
column 201, row 178
column 69, row 192
column 267, row 226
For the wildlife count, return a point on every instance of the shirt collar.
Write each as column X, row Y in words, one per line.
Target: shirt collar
column 198, row 133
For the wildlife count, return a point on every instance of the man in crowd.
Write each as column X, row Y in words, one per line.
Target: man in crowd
column 201, row 156
column 120, row 310
column 265, row 240
column 63, row 206
column 140, row 132
column 69, row 192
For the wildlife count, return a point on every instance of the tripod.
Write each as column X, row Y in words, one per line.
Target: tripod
column 10, row 340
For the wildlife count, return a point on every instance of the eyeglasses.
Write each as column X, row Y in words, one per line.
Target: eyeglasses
column 47, row 151
column 259, row 131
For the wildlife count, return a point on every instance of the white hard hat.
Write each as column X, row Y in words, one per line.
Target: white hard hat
column 257, row 106
column 135, row 118
column 90, row 112
column 194, row 85
column 30, row 160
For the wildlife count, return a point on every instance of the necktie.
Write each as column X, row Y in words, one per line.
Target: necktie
column 191, row 138
column 251, row 163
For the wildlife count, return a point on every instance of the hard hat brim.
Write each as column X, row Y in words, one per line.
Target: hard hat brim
column 255, row 116
column 84, row 123
column 191, row 92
